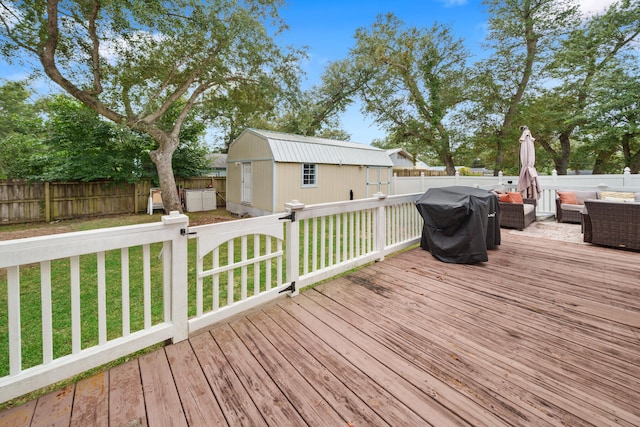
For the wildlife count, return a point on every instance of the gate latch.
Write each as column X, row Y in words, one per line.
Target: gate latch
column 185, row 232
column 291, row 216
column 290, row 288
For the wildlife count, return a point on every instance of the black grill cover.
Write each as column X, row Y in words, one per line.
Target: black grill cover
column 460, row 223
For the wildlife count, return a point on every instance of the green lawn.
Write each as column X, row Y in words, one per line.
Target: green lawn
column 61, row 294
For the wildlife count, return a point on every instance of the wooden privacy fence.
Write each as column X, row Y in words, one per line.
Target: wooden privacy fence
column 24, row 201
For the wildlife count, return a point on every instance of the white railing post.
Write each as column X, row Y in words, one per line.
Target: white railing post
column 380, row 226
column 179, row 288
column 500, row 175
column 394, row 183
column 626, row 177
column 293, row 244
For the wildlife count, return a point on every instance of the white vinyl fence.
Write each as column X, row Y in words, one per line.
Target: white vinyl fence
column 546, row 205
column 171, row 279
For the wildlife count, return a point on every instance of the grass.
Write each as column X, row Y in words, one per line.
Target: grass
column 61, row 295
column 30, row 310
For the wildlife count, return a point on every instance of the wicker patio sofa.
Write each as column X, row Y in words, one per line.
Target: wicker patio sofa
column 517, row 215
column 615, row 224
column 572, row 212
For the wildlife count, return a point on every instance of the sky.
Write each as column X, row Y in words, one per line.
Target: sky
column 327, row 28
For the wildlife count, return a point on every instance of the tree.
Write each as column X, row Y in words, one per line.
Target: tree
column 81, row 146
column 418, row 76
column 521, row 34
column 131, row 61
column 583, row 58
column 614, row 122
column 20, row 129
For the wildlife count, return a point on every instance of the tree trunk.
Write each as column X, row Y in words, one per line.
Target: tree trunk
column 562, row 162
column 161, row 157
column 499, row 155
column 601, row 160
column 632, row 161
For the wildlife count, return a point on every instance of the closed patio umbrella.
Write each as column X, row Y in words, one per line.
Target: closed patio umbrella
column 528, row 183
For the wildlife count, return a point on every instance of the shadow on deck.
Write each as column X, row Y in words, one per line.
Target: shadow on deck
column 545, row 333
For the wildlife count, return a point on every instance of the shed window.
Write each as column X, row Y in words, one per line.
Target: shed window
column 309, row 175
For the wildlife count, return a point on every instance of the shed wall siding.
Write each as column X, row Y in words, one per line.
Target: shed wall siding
column 334, row 183
column 249, row 147
column 234, row 183
column 263, row 186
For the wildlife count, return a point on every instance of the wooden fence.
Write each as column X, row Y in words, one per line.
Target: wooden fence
column 24, row 201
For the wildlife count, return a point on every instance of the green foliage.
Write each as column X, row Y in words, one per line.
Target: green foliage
column 60, row 139
column 166, row 71
column 20, row 129
column 416, row 78
column 133, row 61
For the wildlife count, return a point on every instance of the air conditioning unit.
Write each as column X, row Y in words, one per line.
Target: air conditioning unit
column 200, row 200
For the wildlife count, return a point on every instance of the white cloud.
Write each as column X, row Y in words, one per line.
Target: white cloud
column 589, row 7
column 453, row 3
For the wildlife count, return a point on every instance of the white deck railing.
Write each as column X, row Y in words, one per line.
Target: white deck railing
column 153, row 297
column 550, row 183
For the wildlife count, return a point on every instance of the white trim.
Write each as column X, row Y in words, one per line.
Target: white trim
column 315, row 175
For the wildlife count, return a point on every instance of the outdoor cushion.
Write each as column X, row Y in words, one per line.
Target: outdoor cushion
column 528, row 208
column 516, row 197
column 512, row 197
column 637, row 197
column 585, row 195
column 500, row 189
column 617, row 196
column 568, row 198
column 572, row 207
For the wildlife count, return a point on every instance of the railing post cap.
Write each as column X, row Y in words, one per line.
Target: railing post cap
column 294, row 205
column 627, row 170
column 174, row 217
column 554, row 172
column 380, row 195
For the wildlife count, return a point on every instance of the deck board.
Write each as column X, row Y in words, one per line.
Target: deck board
column 126, row 398
column 546, row 333
column 160, row 392
column 91, row 403
column 199, row 402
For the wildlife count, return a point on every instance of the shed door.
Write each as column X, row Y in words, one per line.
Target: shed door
column 378, row 180
column 246, row 182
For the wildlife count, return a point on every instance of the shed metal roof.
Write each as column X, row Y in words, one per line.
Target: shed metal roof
column 290, row 148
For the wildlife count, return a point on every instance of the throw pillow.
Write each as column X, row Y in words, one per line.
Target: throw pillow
column 568, row 198
column 516, row 197
column 617, row 196
column 505, row 198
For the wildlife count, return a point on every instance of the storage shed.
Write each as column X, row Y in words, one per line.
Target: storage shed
column 266, row 169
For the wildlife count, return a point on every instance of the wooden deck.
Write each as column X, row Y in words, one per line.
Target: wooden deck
column 546, row 333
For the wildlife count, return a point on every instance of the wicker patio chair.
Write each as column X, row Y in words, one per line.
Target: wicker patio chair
column 615, row 224
column 566, row 215
column 512, row 215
